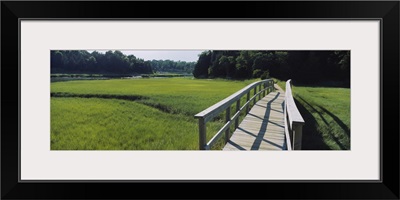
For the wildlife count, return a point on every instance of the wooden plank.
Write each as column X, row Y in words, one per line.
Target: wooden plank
column 227, row 120
column 237, row 110
column 263, row 126
column 243, row 137
column 202, row 134
column 253, row 135
column 258, row 121
column 253, row 145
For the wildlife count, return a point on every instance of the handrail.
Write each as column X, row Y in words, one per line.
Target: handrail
column 214, row 110
column 293, row 120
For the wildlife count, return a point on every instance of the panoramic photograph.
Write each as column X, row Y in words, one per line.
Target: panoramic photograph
column 109, row 99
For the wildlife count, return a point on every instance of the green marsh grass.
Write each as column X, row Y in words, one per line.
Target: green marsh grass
column 135, row 114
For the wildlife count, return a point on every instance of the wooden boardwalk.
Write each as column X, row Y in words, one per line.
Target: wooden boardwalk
column 263, row 127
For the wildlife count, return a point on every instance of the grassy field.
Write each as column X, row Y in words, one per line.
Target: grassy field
column 134, row 114
column 326, row 111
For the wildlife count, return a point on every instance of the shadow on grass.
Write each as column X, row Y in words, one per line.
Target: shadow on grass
column 327, row 84
column 312, row 139
column 338, row 121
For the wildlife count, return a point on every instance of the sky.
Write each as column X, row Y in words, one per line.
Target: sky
column 176, row 55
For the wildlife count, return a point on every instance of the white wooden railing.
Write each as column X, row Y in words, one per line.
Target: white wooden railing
column 293, row 120
column 225, row 105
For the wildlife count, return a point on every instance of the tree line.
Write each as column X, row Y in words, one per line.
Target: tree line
column 306, row 67
column 172, row 66
column 112, row 62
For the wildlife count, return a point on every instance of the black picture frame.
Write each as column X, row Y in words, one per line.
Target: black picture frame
column 386, row 11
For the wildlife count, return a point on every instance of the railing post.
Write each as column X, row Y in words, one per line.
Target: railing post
column 259, row 90
column 272, row 85
column 247, row 100
column 297, row 135
column 255, row 97
column 264, row 84
column 202, row 134
column 227, row 119
column 237, row 110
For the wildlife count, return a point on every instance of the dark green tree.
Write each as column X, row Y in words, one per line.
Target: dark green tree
column 202, row 65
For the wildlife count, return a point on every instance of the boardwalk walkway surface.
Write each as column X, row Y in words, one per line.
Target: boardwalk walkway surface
column 263, row 127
